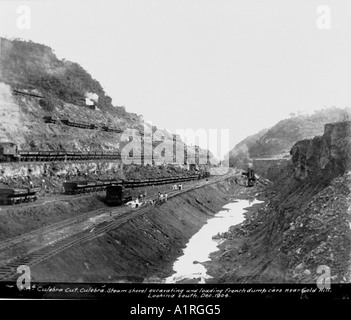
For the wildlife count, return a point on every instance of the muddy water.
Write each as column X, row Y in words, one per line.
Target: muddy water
column 188, row 267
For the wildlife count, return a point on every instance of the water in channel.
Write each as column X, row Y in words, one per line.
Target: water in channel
column 201, row 245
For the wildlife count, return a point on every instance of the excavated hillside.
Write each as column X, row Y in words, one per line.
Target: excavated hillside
column 34, row 83
column 144, row 248
column 304, row 222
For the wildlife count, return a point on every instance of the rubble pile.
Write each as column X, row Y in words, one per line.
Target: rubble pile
column 320, row 235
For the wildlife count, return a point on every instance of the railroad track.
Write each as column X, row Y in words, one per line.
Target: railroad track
column 8, row 270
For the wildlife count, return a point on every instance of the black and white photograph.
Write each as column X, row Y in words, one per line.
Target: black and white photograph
column 175, row 157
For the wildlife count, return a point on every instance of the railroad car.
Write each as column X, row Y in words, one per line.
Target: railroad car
column 116, row 130
column 50, row 119
column 28, row 155
column 110, row 155
column 109, row 129
column 117, row 195
column 81, row 124
column 16, row 92
column 111, row 182
column 17, row 195
column 9, row 152
column 76, row 187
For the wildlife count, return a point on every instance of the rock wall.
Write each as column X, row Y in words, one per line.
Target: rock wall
column 326, row 156
column 305, row 221
column 269, row 168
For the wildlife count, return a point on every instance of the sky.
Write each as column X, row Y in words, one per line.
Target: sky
column 201, row 64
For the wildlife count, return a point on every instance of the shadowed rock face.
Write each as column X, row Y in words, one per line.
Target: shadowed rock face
column 325, row 157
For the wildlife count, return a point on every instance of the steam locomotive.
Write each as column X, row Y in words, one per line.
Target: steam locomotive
column 116, row 195
column 9, row 152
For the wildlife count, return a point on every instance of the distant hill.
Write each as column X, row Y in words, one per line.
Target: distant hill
column 239, row 155
column 277, row 141
column 28, row 64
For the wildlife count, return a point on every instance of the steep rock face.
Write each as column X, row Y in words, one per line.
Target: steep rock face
column 306, row 216
column 270, row 169
column 325, row 156
column 305, row 221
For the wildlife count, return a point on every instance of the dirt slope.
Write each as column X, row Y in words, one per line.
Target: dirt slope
column 144, row 247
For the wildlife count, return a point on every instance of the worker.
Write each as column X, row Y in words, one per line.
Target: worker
column 161, row 197
column 166, row 197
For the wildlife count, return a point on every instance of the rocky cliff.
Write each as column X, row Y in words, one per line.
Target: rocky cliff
column 304, row 222
column 323, row 157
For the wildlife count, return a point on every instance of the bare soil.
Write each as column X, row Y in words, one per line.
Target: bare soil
column 145, row 247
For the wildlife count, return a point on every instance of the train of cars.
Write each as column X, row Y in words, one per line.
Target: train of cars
column 78, row 187
column 9, row 153
column 116, row 193
column 79, row 124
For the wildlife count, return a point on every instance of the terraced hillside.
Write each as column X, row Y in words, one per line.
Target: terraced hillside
column 35, row 83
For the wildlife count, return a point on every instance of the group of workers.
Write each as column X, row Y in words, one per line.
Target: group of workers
column 162, row 197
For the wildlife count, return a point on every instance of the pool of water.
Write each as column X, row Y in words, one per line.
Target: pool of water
column 201, row 245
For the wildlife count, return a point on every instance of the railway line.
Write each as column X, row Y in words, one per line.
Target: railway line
column 8, row 269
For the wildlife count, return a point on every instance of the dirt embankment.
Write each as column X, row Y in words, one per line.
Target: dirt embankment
column 56, row 207
column 304, row 223
column 145, row 246
column 15, row 221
